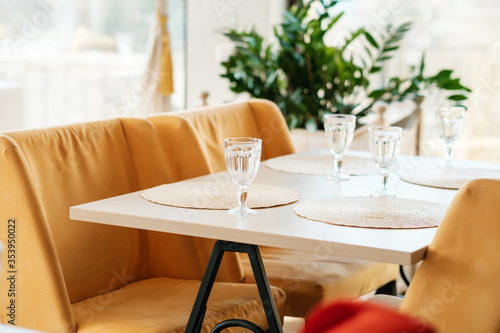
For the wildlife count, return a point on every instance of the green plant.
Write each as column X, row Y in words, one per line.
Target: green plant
column 308, row 79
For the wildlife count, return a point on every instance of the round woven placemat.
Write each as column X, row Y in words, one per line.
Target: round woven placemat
column 321, row 164
column 447, row 178
column 370, row 212
column 209, row 195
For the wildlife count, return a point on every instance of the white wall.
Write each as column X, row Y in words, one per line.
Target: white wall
column 207, row 48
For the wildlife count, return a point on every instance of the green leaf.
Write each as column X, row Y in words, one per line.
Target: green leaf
column 376, row 94
column 370, row 39
column 394, row 39
column 271, row 78
column 384, row 58
column 389, row 49
column 363, row 61
column 234, row 36
column 452, row 85
column 335, row 20
column 406, row 25
column 442, row 76
column 368, row 51
column 422, row 65
column 352, row 38
column 459, row 97
column 291, row 19
column 375, row 69
column 412, row 88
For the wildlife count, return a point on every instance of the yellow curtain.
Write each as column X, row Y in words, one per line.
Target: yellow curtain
column 166, row 81
column 157, row 85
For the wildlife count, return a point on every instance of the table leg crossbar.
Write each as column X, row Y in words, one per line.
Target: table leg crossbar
column 200, row 305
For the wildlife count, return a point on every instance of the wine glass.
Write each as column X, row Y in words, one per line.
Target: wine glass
column 450, row 121
column 242, row 162
column 339, row 129
column 384, row 144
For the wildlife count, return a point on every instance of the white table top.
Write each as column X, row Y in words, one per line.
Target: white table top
column 280, row 226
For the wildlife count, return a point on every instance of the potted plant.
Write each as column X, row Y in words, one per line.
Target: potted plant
column 309, row 79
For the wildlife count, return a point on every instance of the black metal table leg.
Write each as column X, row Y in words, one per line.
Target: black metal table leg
column 264, row 289
column 200, row 305
column 388, row 289
column 403, row 275
column 237, row 323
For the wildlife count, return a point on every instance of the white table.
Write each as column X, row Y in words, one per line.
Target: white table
column 280, row 226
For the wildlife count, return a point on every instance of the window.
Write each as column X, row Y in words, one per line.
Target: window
column 69, row 61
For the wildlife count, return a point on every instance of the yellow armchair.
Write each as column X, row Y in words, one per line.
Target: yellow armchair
column 456, row 288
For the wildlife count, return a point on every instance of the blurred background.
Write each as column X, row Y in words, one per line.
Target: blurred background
column 64, row 61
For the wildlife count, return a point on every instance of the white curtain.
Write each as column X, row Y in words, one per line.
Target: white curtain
column 158, row 76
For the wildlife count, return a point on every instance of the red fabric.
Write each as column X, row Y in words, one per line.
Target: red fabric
column 361, row 317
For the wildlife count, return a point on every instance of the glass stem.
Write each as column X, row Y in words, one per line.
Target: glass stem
column 384, row 178
column 337, row 164
column 242, row 195
column 449, row 151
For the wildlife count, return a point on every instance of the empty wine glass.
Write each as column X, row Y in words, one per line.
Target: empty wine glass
column 242, row 162
column 384, row 144
column 339, row 129
column 450, row 121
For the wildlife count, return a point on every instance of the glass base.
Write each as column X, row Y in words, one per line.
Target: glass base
column 338, row 177
column 383, row 193
column 242, row 211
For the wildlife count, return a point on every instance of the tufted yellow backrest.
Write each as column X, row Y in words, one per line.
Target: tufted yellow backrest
column 77, row 164
column 457, row 287
column 207, row 127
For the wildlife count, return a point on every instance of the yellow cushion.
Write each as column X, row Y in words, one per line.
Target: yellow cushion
column 163, row 305
column 456, row 287
column 308, row 278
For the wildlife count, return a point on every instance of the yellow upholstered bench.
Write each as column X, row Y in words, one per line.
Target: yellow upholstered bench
column 196, row 137
column 74, row 276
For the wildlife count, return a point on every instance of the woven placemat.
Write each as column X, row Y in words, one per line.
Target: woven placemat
column 321, row 164
column 370, row 212
column 210, row 195
column 447, row 178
